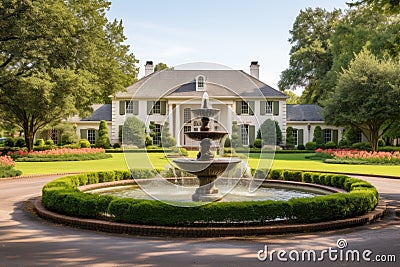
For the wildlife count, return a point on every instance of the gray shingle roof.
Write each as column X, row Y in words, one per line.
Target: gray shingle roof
column 182, row 83
column 304, row 113
column 100, row 112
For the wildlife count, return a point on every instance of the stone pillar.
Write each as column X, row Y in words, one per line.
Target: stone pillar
column 229, row 119
column 170, row 119
column 178, row 125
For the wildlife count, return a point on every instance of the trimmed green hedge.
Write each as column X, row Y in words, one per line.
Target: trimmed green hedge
column 62, row 195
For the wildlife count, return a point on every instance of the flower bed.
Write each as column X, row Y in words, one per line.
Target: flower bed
column 62, row 154
column 7, row 167
column 348, row 156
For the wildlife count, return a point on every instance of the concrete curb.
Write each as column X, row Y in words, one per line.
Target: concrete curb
column 149, row 230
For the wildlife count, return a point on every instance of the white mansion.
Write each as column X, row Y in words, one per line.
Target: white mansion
column 169, row 95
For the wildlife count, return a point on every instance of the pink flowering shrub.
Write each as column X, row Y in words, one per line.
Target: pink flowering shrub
column 7, row 167
column 61, row 154
column 6, row 161
column 360, row 156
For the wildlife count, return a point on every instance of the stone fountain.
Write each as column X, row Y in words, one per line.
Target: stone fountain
column 206, row 167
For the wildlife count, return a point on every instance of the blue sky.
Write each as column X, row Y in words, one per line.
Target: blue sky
column 228, row 32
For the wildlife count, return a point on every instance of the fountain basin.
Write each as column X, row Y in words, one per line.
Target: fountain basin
column 207, row 172
column 200, row 135
column 201, row 168
column 205, row 112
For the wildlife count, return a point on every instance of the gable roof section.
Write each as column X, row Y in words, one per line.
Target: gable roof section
column 181, row 83
column 304, row 113
column 100, row 112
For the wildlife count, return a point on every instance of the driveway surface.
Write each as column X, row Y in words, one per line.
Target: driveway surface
column 26, row 240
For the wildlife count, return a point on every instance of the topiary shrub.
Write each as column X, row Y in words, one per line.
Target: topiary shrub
column 20, row 142
column 39, row 142
column 84, row 143
column 330, row 145
column 116, row 145
column 301, row 147
column 49, row 142
column 103, row 140
column 311, row 146
column 318, row 137
column 9, row 142
column 257, row 143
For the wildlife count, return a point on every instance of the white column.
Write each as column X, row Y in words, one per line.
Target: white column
column 178, row 125
column 170, row 119
column 229, row 119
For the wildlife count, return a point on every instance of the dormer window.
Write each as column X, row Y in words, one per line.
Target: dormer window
column 200, row 83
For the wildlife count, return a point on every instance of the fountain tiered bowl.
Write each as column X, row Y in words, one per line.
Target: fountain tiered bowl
column 206, row 167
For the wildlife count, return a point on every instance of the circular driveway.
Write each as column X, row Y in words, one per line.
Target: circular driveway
column 26, row 240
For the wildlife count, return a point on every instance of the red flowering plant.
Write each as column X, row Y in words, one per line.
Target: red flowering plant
column 359, row 156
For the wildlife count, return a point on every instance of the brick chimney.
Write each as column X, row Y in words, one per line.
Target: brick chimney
column 255, row 69
column 148, row 68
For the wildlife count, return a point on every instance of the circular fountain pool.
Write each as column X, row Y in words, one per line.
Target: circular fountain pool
column 241, row 192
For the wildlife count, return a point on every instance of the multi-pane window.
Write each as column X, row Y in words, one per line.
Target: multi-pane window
column 157, row 107
column 200, row 83
column 358, row 137
column 91, row 136
column 296, row 137
column 157, row 135
column 327, row 135
column 186, row 128
column 244, row 130
column 129, row 107
column 54, row 136
column 268, row 107
column 187, row 115
column 245, row 108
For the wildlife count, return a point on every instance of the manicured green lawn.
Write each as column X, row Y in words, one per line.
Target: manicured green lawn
column 158, row 160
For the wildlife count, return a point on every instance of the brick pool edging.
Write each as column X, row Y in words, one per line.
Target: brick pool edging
column 180, row 231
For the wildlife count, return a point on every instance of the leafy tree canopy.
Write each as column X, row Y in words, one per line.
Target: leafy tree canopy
column 325, row 42
column 160, row 66
column 367, row 96
column 57, row 58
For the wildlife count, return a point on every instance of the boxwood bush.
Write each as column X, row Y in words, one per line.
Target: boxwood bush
column 62, row 195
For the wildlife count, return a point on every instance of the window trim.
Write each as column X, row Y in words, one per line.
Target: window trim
column 269, row 107
column 91, row 133
column 244, row 134
column 200, row 83
column 244, row 106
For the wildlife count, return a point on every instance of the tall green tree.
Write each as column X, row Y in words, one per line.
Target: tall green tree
column 160, row 66
column 367, row 96
column 310, row 57
column 325, row 42
column 383, row 6
column 293, row 98
column 57, row 58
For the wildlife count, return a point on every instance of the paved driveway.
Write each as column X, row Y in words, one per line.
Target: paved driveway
column 26, row 240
